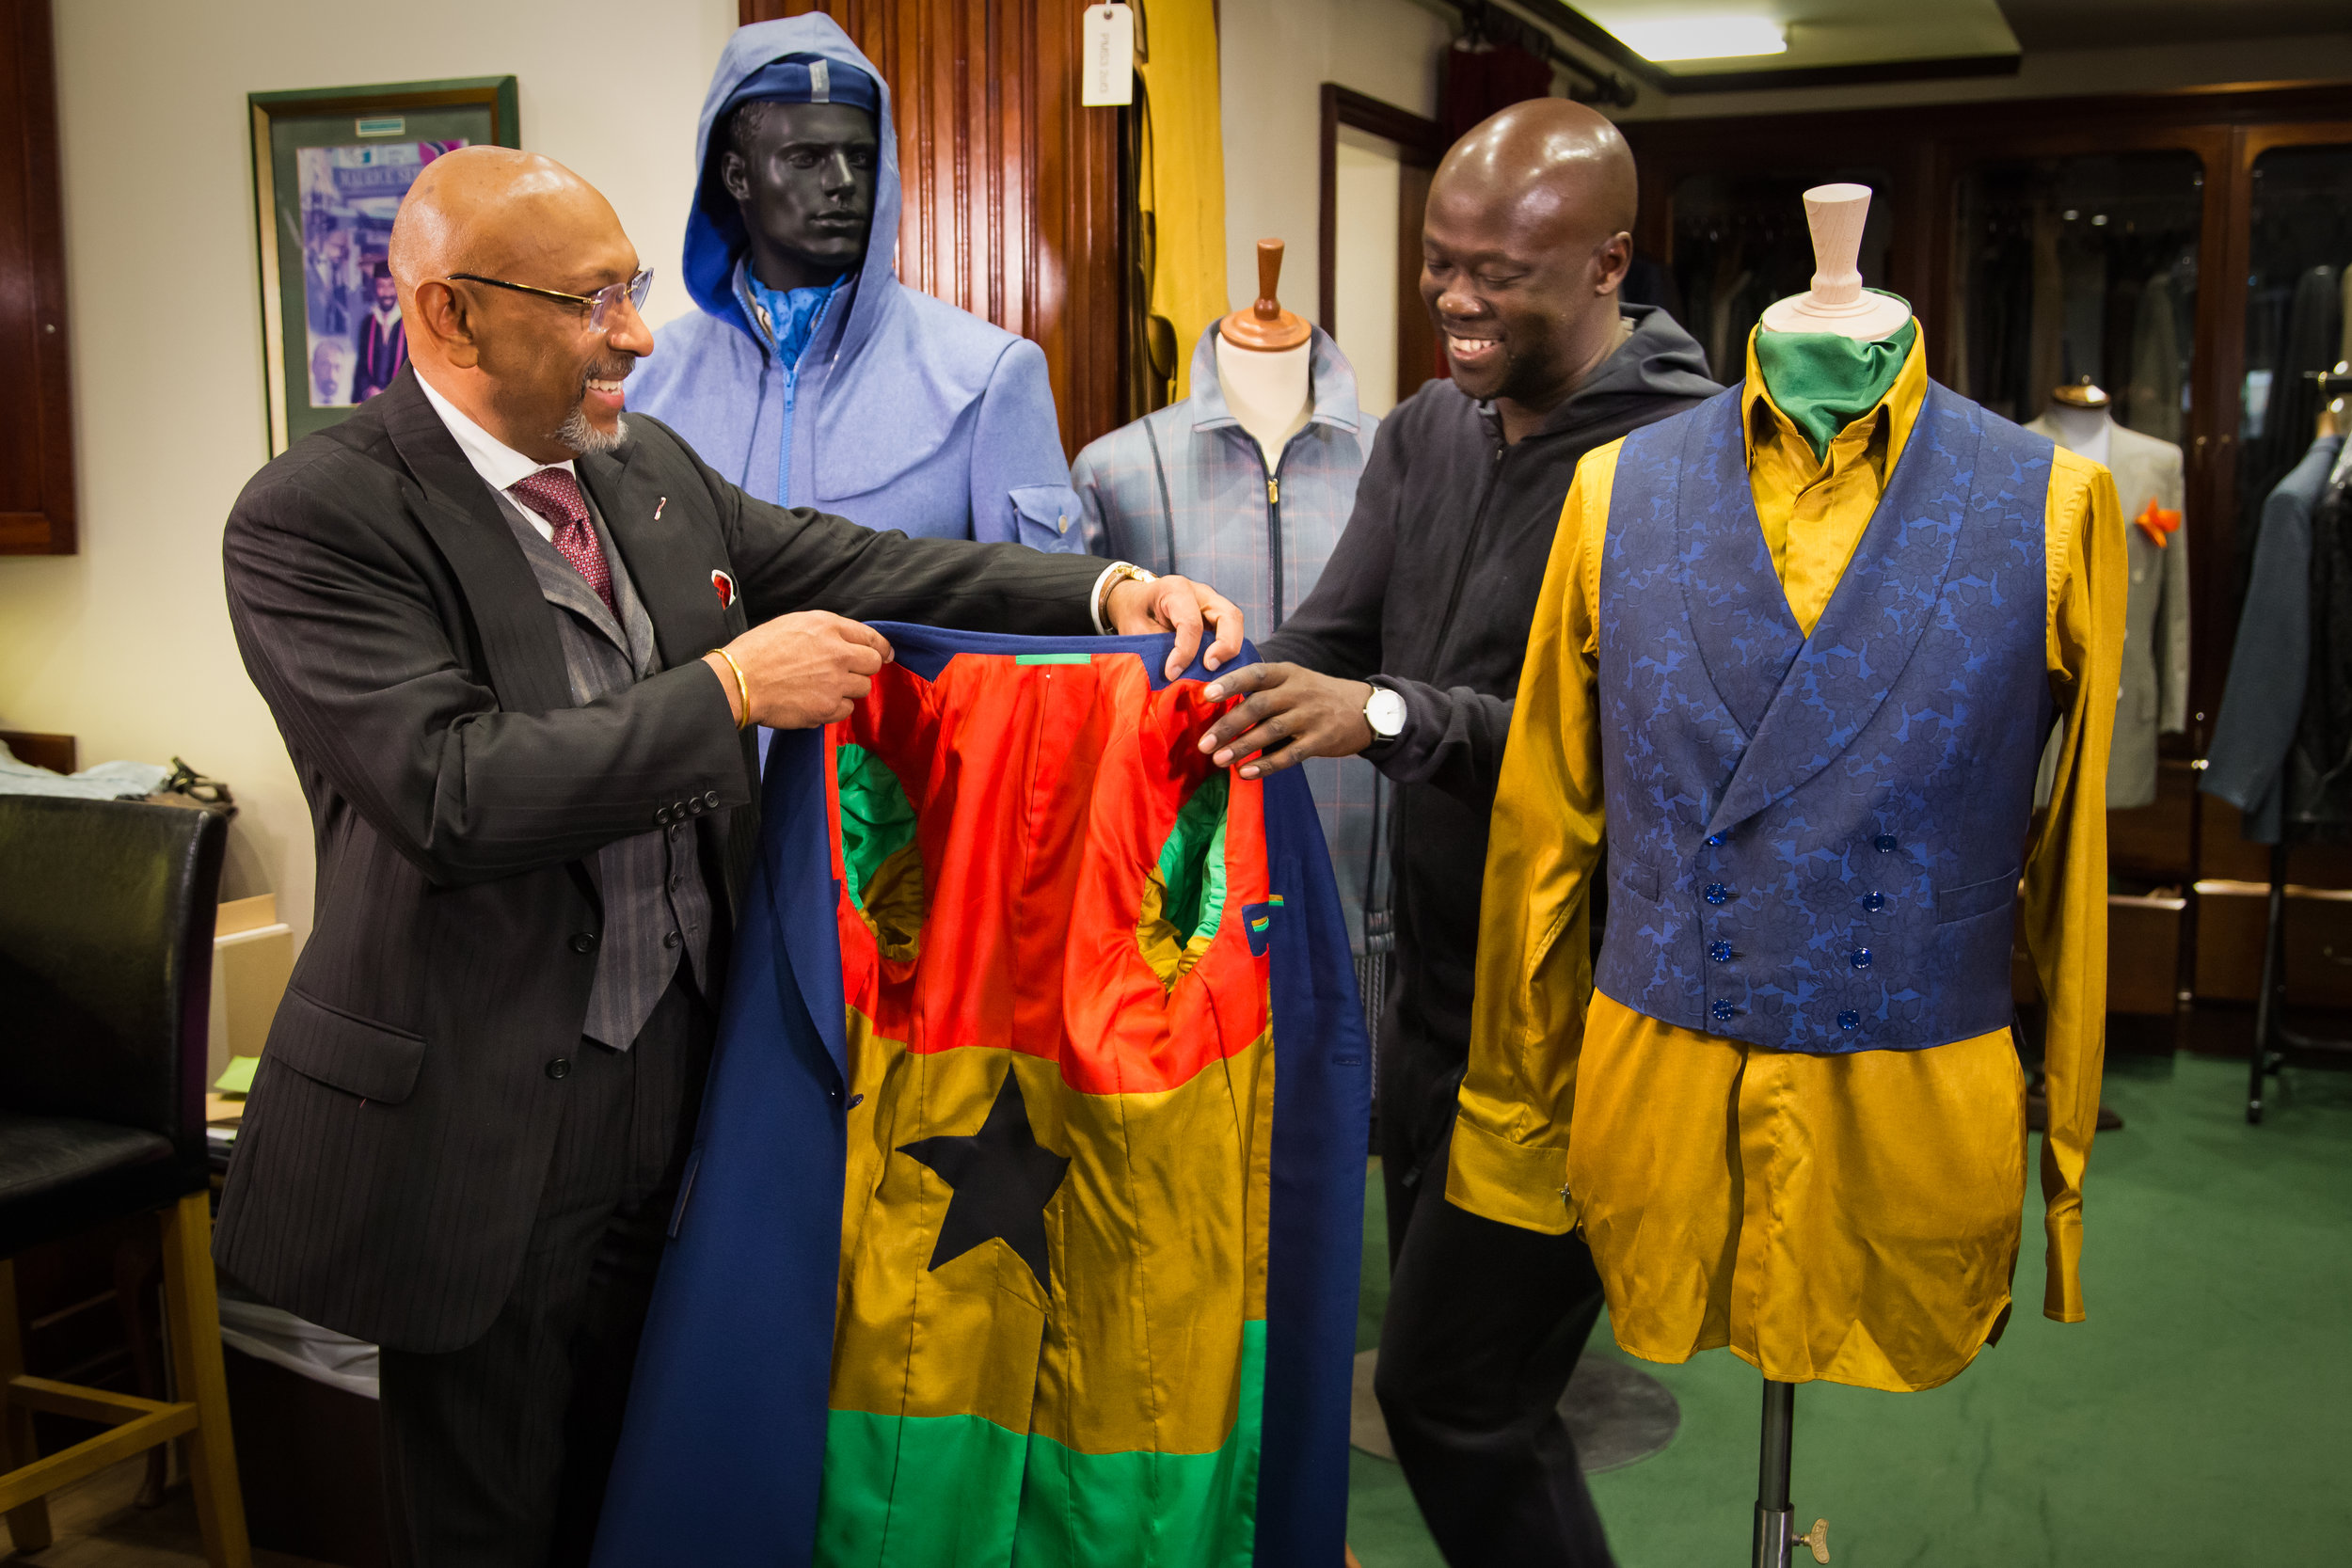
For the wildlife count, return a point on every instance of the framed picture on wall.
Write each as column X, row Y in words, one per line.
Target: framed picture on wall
column 330, row 169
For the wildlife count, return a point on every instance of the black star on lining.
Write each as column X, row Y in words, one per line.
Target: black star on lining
column 1003, row 1180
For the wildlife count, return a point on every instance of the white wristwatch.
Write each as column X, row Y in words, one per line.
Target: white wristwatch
column 1384, row 710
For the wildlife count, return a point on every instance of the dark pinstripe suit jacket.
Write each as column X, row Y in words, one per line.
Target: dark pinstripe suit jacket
column 398, row 1131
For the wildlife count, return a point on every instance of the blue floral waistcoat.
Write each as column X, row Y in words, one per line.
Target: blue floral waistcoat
column 1815, row 842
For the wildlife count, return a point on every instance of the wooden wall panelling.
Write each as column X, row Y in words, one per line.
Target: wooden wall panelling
column 36, row 503
column 1010, row 186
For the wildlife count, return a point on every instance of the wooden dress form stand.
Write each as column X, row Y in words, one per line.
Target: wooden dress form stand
column 1836, row 302
column 2275, row 1045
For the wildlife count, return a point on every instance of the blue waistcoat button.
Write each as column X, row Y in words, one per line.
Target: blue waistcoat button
column 1884, row 844
column 1850, row 1020
column 1874, row 901
column 1862, row 958
column 1717, row 892
column 1719, row 952
column 1723, row 1010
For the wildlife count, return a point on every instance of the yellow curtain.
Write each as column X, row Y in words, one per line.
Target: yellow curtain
column 1183, row 176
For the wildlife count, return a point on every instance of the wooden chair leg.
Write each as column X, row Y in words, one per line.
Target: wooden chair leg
column 192, row 1319
column 28, row 1526
column 138, row 1268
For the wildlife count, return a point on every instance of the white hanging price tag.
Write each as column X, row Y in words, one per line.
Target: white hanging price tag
column 1107, row 40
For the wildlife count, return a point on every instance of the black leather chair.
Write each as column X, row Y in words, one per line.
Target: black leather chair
column 105, row 984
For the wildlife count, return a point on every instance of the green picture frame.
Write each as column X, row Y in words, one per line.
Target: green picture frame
column 329, row 164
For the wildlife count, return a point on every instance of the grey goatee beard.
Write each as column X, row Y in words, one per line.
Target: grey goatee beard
column 584, row 438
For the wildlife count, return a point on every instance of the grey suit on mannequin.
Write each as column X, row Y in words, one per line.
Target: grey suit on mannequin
column 2154, row 697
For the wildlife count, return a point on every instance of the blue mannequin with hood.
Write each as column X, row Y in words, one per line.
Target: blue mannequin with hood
column 864, row 398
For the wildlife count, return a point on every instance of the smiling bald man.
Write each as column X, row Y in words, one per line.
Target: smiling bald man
column 514, row 643
column 1408, row 652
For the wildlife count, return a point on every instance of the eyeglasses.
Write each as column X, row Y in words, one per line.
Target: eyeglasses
column 599, row 305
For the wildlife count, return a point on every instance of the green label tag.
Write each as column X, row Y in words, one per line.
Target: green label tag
column 1053, row 658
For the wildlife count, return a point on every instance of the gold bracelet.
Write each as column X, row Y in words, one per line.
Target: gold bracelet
column 1113, row 575
column 742, row 689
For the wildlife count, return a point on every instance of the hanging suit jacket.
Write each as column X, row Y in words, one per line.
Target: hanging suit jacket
column 1081, row 1029
column 1792, row 1120
column 2154, row 696
column 2270, row 664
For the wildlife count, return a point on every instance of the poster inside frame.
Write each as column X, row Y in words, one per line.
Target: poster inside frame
column 330, row 169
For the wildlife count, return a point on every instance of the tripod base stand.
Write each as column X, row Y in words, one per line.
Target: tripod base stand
column 1776, row 1537
column 2275, row 1045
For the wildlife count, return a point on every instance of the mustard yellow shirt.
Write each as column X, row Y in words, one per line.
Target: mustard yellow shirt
column 1512, row 1149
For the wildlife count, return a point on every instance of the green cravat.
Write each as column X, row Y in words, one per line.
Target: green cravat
column 1825, row 382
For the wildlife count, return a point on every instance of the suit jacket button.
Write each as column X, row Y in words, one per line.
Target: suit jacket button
column 1885, row 844
column 711, row 798
column 696, row 806
column 661, row 817
column 1850, row 1020
column 1861, row 957
column 583, row 941
column 560, row 1068
column 1718, row 893
column 671, row 939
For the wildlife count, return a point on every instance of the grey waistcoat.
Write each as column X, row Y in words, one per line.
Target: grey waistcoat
column 655, row 906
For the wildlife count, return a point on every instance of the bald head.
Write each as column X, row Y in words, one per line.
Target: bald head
column 1549, row 155
column 483, row 239
column 490, row 210
column 1524, row 242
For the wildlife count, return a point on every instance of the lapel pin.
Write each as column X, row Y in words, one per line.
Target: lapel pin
column 724, row 586
column 657, row 506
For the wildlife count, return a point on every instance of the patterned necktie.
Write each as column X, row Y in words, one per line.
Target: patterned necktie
column 554, row 495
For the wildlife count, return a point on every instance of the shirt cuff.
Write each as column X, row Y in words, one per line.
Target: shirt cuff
column 1513, row 1183
column 1102, row 590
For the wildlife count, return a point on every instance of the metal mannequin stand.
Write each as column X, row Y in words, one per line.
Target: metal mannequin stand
column 1777, row 1539
column 2275, row 1045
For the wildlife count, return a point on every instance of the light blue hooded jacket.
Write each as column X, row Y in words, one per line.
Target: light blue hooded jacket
column 902, row 412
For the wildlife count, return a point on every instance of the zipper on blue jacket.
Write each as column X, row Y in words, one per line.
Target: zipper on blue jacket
column 791, row 375
column 791, row 399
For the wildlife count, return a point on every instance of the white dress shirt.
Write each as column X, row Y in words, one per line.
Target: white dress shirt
column 499, row 464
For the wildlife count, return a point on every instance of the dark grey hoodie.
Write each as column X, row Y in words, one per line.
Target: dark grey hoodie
column 1431, row 591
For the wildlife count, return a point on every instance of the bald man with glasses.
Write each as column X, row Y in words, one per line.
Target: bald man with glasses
column 514, row 644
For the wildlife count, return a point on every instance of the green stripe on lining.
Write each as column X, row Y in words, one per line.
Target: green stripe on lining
column 1053, row 658
column 948, row 1491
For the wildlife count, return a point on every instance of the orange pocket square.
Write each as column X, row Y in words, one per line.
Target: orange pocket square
column 2156, row 523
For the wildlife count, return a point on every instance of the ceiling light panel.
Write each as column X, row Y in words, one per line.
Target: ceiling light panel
column 1702, row 36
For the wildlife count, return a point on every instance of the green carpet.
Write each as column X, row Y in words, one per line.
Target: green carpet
column 2203, row 1416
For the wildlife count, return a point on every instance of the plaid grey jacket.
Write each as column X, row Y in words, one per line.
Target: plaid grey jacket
column 1186, row 489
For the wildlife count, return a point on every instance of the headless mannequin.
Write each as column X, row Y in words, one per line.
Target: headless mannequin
column 1262, row 355
column 1268, row 391
column 2083, row 424
column 1836, row 302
